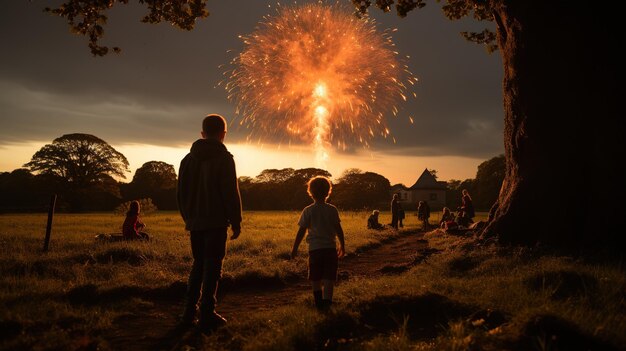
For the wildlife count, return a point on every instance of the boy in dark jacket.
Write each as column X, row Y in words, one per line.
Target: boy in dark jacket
column 209, row 202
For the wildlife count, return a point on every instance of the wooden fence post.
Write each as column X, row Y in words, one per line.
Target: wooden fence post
column 53, row 201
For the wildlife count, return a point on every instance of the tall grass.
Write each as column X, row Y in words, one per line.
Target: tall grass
column 37, row 290
column 468, row 296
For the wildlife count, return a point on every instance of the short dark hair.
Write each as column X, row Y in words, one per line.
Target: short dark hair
column 213, row 125
column 319, row 188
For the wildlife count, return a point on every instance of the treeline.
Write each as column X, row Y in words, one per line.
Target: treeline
column 23, row 191
column 81, row 169
column 285, row 189
column 484, row 189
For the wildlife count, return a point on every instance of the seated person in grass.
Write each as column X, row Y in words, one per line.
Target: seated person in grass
column 462, row 219
column 372, row 221
column 132, row 225
column 321, row 221
column 446, row 216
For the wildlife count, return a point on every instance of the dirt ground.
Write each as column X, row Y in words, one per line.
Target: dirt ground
column 155, row 327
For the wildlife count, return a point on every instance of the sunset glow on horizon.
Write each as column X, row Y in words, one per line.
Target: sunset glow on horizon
column 252, row 159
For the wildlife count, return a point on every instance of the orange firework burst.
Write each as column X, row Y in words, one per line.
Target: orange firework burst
column 319, row 74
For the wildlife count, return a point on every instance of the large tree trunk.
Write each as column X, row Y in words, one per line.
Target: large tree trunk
column 564, row 133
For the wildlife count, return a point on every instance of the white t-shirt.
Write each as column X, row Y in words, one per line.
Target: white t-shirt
column 321, row 221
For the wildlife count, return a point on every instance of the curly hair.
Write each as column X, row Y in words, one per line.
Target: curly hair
column 319, row 188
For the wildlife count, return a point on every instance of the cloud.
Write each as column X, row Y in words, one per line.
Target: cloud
column 158, row 89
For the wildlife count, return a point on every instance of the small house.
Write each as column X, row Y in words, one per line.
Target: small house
column 426, row 188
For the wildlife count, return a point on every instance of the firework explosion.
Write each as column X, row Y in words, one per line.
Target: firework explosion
column 317, row 73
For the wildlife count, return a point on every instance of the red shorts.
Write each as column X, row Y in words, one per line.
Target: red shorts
column 323, row 264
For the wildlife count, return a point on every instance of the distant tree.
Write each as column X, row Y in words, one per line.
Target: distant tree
column 275, row 175
column 156, row 175
column 356, row 189
column 454, row 189
column 433, row 172
column 278, row 189
column 155, row 180
column 103, row 195
column 79, row 159
column 22, row 191
column 488, row 182
column 84, row 166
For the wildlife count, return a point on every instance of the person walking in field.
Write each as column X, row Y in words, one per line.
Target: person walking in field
column 131, row 229
column 209, row 201
column 321, row 221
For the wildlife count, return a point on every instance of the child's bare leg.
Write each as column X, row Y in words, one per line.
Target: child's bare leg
column 329, row 286
column 317, row 293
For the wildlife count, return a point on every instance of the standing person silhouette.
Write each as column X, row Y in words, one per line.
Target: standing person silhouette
column 467, row 206
column 395, row 206
column 209, row 202
column 423, row 214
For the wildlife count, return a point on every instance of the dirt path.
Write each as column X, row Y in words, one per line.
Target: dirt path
column 155, row 327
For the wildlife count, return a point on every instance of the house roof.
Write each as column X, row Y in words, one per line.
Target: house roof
column 428, row 181
column 399, row 187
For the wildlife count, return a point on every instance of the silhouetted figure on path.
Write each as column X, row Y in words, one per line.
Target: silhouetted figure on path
column 209, row 202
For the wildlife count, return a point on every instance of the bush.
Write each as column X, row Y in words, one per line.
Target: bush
column 146, row 206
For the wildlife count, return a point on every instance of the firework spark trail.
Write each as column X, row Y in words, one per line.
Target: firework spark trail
column 316, row 73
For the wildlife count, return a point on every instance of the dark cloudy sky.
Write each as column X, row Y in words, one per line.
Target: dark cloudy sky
column 155, row 93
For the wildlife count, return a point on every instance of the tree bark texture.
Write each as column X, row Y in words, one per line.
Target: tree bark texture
column 564, row 132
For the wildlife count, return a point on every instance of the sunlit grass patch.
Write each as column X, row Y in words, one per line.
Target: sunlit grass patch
column 97, row 281
column 457, row 295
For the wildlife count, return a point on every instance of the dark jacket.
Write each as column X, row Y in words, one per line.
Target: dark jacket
column 208, row 193
column 467, row 206
column 423, row 211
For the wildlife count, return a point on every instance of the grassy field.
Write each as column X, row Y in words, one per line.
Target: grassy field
column 38, row 292
column 465, row 297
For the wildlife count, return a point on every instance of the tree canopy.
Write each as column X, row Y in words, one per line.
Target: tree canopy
column 155, row 175
column 88, row 17
column 356, row 189
column 154, row 180
column 79, row 159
